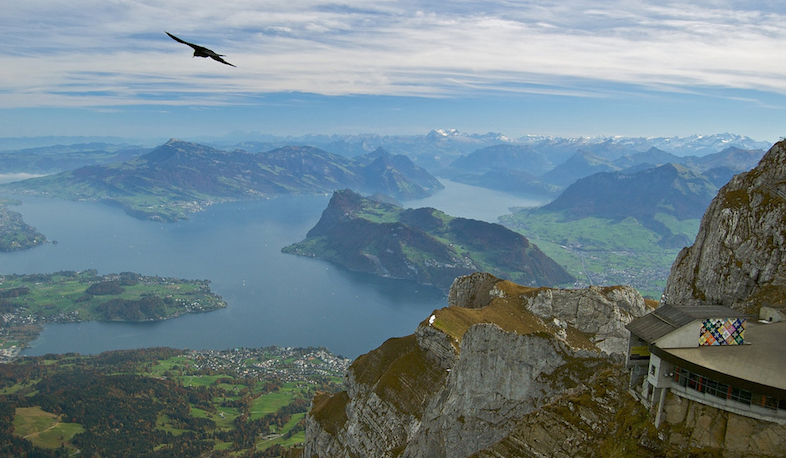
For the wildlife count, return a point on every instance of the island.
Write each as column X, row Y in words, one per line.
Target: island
column 424, row 245
column 27, row 302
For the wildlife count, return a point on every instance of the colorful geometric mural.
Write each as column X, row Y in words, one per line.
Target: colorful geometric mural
column 722, row 332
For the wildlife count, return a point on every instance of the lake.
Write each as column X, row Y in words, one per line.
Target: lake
column 273, row 298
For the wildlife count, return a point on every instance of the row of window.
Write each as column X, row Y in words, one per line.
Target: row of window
column 701, row 384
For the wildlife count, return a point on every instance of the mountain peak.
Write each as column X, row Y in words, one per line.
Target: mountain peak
column 738, row 257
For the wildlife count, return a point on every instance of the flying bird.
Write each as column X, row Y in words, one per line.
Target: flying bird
column 201, row 51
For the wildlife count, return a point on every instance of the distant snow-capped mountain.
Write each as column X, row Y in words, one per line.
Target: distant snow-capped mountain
column 693, row 145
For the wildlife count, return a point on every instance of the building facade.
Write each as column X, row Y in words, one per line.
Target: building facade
column 713, row 355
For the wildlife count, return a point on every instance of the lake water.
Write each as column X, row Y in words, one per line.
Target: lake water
column 273, row 298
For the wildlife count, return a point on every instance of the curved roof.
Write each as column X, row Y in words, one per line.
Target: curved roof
column 761, row 364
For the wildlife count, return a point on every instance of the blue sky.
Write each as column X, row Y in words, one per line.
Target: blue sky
column 564, row 68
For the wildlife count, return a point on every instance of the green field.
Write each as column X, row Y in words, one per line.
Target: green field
column 602, row 251
column 44, row 429
column 159, row 401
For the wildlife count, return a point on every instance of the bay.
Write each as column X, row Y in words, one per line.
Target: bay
column 273, row 298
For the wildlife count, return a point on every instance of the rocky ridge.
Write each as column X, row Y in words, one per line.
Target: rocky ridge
column 739, row 256
column 472, row 370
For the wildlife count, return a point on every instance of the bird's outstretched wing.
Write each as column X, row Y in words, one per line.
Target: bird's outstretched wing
column 218, row 58
column 183, row 41
column 201, row 51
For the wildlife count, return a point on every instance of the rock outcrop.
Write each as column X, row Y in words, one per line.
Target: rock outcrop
column 472, row 371
column 739, row 256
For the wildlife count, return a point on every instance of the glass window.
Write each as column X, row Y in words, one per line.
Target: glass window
column 743, row 396
column 770, row 403
column 701, row 384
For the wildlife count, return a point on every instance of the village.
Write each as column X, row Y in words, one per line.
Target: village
column 284, row 363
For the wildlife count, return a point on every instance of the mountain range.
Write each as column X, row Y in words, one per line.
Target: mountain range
column 179, row 177
column 57, row 158
column 620, row 227
column 527, row 169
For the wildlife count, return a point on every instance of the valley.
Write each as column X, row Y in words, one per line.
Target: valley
column 602, row 251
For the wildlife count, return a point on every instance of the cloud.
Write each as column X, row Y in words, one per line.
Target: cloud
column 94, row 52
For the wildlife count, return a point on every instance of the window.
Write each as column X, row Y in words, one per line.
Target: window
column 721, row 390
column 769, row 402
column 696, row 382
column 718, row 389
column 652, row 370
column 743, row 396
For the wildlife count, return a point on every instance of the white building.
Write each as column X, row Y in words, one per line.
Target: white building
column 709, row 354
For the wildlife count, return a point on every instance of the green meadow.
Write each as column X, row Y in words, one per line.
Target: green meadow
column 603, row 251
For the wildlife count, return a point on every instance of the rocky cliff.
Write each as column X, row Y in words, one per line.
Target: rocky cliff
column 739, row 256
column 473, row 370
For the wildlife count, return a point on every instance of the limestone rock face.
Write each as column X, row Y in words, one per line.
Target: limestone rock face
column 473, row 291
column 739, row 256
column 601, row 312
column 700, row 426
column 472, row 371
column 495, row 382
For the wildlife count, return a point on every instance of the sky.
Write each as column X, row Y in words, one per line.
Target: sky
column 565, row 68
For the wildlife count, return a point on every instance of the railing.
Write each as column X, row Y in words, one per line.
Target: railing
column 727, row 397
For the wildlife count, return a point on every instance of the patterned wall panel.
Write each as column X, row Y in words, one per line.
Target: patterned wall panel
column 722, row 332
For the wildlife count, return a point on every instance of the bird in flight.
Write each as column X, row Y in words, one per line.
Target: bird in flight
column 201, row 51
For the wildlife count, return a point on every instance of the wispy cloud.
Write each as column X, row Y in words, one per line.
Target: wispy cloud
column 98, row 53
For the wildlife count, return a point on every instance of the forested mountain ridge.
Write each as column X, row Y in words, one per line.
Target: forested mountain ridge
column 180, row 177
column 422, row 244
column 671, row 188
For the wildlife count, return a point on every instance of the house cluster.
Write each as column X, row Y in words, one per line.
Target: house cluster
column 713, row 355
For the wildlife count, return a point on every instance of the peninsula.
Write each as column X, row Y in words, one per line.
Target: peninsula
column 15, row 234
column 424, row 244
column 29, row 301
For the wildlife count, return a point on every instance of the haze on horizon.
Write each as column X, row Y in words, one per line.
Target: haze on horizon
column 568, row 68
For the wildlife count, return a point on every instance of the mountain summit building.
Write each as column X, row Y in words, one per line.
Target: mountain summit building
column 710, row 354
